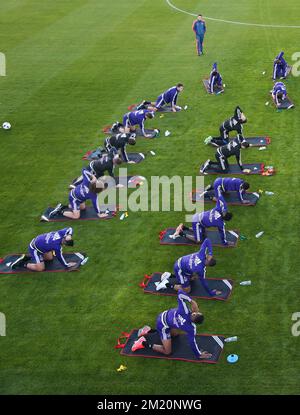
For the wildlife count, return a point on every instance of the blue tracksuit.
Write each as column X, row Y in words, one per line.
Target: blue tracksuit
column 179, row 318
column 47, row 242
column 279, row 67
column 187, row 265
column 215, row 79
column 207, row 219
column 167, row 97
column 82, row 193
column 135, row 118
column 228, row 184
column 199, row 28
column 279, row 88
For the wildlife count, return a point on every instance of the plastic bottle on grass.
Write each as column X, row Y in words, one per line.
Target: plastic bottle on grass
column 231, row 339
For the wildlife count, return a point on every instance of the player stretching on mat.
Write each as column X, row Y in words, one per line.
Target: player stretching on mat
column 119, row 142
column 201, row 221
column 279, row 67
column 279, row 93
column 41, row 249
column 223, row 185
column 87, row 190
column 169, row 97
column 222, row 155
column 134, row 118
column 215, row 79
column 98, row 167
column 191, row 267
column 234, row 123
column 169, row 322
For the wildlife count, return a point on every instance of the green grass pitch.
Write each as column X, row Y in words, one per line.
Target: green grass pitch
column 73, row 67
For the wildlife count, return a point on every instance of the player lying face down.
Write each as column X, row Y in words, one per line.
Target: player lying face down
column 191, row 267
column 211, row 218
column 170, row 323
column 137, row 118
column 41, row 249
column 87, row 190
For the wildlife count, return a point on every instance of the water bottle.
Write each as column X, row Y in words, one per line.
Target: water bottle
column 231, row 339
column 245, row 283
column 269, row 193
column 259, row 234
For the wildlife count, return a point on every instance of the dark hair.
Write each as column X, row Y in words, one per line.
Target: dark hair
column 149, row 115
column 96, row 189
column 279, row 95
column 179, row 85
column 245, row 185
column 198, row 318
column 131, row 141
column 212, row 262
column 69, row 242
column 227, row 216
column 199, row 15
column 118, row 160
column 245, row 144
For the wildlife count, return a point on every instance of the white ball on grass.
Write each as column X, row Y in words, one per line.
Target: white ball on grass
column 6, row 125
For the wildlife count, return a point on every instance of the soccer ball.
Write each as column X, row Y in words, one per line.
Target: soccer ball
column 6, row 125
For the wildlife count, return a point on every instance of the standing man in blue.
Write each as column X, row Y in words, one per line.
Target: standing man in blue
column 168, row 322
column 280, row 67
column 134, row 118
column 199, row 27
column 188, row 265
column 42, row 247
